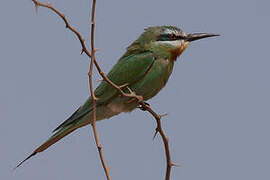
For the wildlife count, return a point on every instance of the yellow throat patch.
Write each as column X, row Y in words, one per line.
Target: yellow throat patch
column 178, row 51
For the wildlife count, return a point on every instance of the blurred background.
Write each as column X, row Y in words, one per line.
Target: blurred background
column 217, row 98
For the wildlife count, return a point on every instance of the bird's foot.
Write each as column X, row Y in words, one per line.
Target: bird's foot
column 143, row 108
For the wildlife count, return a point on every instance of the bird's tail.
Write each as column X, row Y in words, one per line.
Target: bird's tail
column 62, row 132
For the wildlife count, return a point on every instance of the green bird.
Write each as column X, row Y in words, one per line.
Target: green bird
column 145, row 68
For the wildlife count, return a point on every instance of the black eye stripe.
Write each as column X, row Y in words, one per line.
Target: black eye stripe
column 170, row 37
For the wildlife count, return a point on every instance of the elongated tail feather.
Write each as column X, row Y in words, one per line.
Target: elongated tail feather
column 66, row 121
column 53, row 139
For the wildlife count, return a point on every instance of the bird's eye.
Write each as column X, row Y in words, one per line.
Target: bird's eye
column 172, row 36
column 167, row 37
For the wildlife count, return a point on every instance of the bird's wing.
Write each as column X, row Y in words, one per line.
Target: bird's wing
column 127, row 71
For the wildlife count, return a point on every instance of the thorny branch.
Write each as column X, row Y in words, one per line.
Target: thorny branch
column 143, row 105
column 90, row 74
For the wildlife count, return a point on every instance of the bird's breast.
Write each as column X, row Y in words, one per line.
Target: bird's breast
column 155, row 79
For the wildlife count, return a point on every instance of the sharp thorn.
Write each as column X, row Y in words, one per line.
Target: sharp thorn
column 155, row 135
column 176, row 165
column 162, row 115
column 96, row 49
column 123, row 86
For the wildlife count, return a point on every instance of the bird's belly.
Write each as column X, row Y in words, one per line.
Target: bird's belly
column 121, row 104
column 113, row 108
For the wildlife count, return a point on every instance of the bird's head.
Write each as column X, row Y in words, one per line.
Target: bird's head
column 166, row 40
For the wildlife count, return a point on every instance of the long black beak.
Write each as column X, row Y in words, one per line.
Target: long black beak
column 197, row 36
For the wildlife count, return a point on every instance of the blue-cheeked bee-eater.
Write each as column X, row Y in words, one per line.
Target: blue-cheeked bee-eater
column 145, row 68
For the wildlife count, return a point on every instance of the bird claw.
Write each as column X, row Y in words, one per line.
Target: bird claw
column 131, row 100
column 143, row 108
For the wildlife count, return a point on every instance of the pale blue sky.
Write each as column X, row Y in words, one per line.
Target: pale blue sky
column 217, row 98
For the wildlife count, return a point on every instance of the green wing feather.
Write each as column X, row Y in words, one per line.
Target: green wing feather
column 129, row 70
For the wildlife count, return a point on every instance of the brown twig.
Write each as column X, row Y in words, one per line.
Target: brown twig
column 68, row 26
column 144, row 106
column 159, row 130
column 93, row 59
